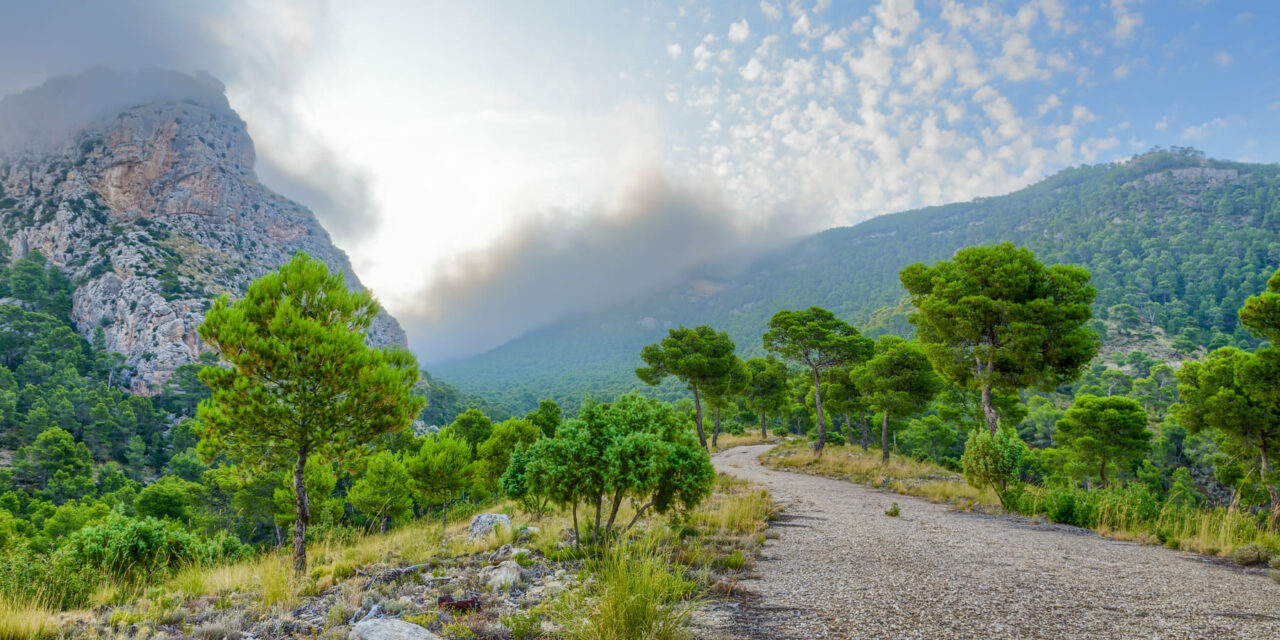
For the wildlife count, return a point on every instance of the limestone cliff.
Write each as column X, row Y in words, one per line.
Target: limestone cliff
column 148, row 199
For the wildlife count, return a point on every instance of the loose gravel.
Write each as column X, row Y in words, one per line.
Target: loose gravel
column 840, row 568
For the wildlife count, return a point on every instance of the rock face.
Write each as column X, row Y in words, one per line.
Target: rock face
column 152, row 208
column 387, row 629
column 484, row 523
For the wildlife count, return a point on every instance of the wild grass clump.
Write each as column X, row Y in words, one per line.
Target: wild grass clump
column 26, row 619
column 637, row 592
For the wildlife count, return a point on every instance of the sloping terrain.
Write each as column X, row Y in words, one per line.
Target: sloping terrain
column 1182, row 239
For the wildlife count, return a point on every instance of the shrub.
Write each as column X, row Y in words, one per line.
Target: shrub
column 135, row 550
column 893, row 511
column 994, row 461
column 638, row 593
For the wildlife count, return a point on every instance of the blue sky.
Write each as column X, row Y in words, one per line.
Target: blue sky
column 494, row 166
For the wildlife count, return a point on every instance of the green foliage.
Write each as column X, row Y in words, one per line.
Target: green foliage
column 1105, row 430
column 441, row 468
column 633, row 448
column 494, row 454
column 137, row 550
column 472, row 426
column 993, row 460
column 816, row 339
column 169, row 498
column 702, row 358
column 547, row 417
column 382, row 491
column 302, row 381
column 898, row 381
column 1234, row 393
column 767, row 388
column 1261, row 313
column 893, row 511
column 994, row 318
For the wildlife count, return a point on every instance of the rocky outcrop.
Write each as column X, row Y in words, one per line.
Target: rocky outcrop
column 152, row 208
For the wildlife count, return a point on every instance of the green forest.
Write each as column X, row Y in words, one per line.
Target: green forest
column 1175, row 243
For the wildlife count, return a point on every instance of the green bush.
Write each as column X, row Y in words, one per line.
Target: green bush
column 135, row 550
column 994, row 461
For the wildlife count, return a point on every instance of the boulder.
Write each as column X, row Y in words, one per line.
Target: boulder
column 388, row 629
column 484, row 524
column 502, row 576
column 506, row 552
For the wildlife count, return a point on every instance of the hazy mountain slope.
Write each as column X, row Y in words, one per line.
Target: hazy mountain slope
column 140, row 186
column 1182, row 239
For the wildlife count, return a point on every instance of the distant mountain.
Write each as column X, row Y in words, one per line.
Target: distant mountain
column 141, row 188
column 1181, row 239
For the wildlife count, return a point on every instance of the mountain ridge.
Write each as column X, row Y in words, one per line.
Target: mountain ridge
column 151, row 207
column 1133, row 223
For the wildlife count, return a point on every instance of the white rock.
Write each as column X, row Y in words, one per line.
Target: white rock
column 484, row 524
column 501, row 576
column 388, row 629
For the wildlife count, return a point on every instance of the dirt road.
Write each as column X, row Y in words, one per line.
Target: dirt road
column 841, row 568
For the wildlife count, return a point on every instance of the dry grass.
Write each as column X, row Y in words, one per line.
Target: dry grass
column 26, row 620
column 735, row 507
column 729, row 440
column 903, row 475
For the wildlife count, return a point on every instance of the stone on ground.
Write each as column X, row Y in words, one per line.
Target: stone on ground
column 484, row 524
column 388, row 629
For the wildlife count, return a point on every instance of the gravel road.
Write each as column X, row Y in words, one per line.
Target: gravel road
column 841, row 568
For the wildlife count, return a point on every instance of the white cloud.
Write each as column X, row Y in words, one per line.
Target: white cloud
column 1162, row 124
column 1201, row 130
column 739, row 31
column 1082, row 113
column 674, row 50
column 1049, row 104
column 1127, row 20
column 702, row 57
column 752, row 70
column 833, row 41
column 1122, row 70
column 771, row 10
column 1223, row 58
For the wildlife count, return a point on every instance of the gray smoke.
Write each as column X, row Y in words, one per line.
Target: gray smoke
column 229, row 40
column 558, row 264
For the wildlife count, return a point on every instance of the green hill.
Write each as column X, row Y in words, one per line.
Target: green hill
column 1182, row 240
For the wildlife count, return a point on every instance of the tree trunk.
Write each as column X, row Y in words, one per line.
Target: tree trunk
column 595, row 531
column 933, row 450
column 697, row 405
column 303, row 515
column 989, row 409
column 866, row 430
column 884, row 438
column 1271, row 489
column 817, row 402
column 577, row 537
column 764, row 431
column 848, row 428
column 715, row 435
column 613, row 513
column 988, row 406
column 384, row 523
column 1102, row 473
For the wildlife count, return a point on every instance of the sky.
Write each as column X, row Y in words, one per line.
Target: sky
column 492, row 167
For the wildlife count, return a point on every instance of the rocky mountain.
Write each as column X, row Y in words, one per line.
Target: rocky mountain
column 1175, row 242
column 141, row 187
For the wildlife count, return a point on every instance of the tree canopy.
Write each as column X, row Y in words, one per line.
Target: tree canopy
column 818, row 340
column 701, row 357
column 996, row 319
column 301, row 381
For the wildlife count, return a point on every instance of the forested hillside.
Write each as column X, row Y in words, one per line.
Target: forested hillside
column 1175, row 243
